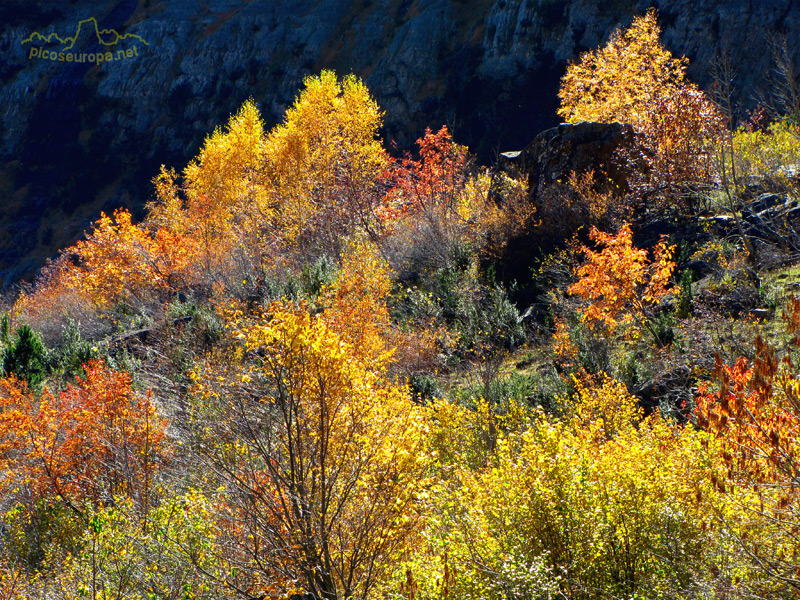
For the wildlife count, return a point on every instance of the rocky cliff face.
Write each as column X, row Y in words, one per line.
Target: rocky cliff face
column 81, row 137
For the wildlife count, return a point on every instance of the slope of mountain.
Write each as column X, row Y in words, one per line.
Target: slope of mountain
column 81, row 137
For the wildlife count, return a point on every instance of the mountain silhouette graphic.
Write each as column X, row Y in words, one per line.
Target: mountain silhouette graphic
column 106, row 37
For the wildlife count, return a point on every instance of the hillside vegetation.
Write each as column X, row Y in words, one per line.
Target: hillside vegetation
column 306, row 372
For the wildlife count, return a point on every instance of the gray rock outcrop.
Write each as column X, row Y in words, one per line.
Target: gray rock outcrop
column 572, row 148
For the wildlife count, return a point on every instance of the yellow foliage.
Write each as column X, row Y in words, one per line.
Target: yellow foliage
column 222, row 203
column 601, row 502
column 176, row 554
column 463, row 436
column 620, row 81
column 598, row 203
column 323, row 162
column 767, row 152
column 356, row 302
column 356, row 309
column 224, row 178
column 634, row 79
column 305, row 419
column 604, row 408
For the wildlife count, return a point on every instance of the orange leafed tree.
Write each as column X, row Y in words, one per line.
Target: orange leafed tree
column 96, row 439
column 118, row 263
column 620, row 283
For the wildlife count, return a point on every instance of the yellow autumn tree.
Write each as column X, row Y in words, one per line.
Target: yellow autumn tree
column 355, row 303
column 620, row 81
column 249, row 196
column 323, row 457
column 634, row 79
column 323, row 162
column 218, row 207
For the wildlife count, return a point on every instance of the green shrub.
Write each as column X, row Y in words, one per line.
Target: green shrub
column 73, row 352
column 684, row 310
column 29, row 533
column 424, row 387
column 26, row 358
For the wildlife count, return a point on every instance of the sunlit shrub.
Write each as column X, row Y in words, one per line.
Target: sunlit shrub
column 599, row 502
column 771, row 154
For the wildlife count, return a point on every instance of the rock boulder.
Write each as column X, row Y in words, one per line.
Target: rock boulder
column 578, row 147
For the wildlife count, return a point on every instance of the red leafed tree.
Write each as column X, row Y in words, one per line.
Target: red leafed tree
column 753, row 407
column 432, row 183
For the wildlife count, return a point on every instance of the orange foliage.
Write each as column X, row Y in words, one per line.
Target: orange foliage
column 357, row 310
column 754, row 411
column 190, row 231
column 118, row 262
column 619, row 282
column 96, row 439
column 563, row 346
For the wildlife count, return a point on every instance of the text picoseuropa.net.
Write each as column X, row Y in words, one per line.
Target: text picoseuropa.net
column 98, row 57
